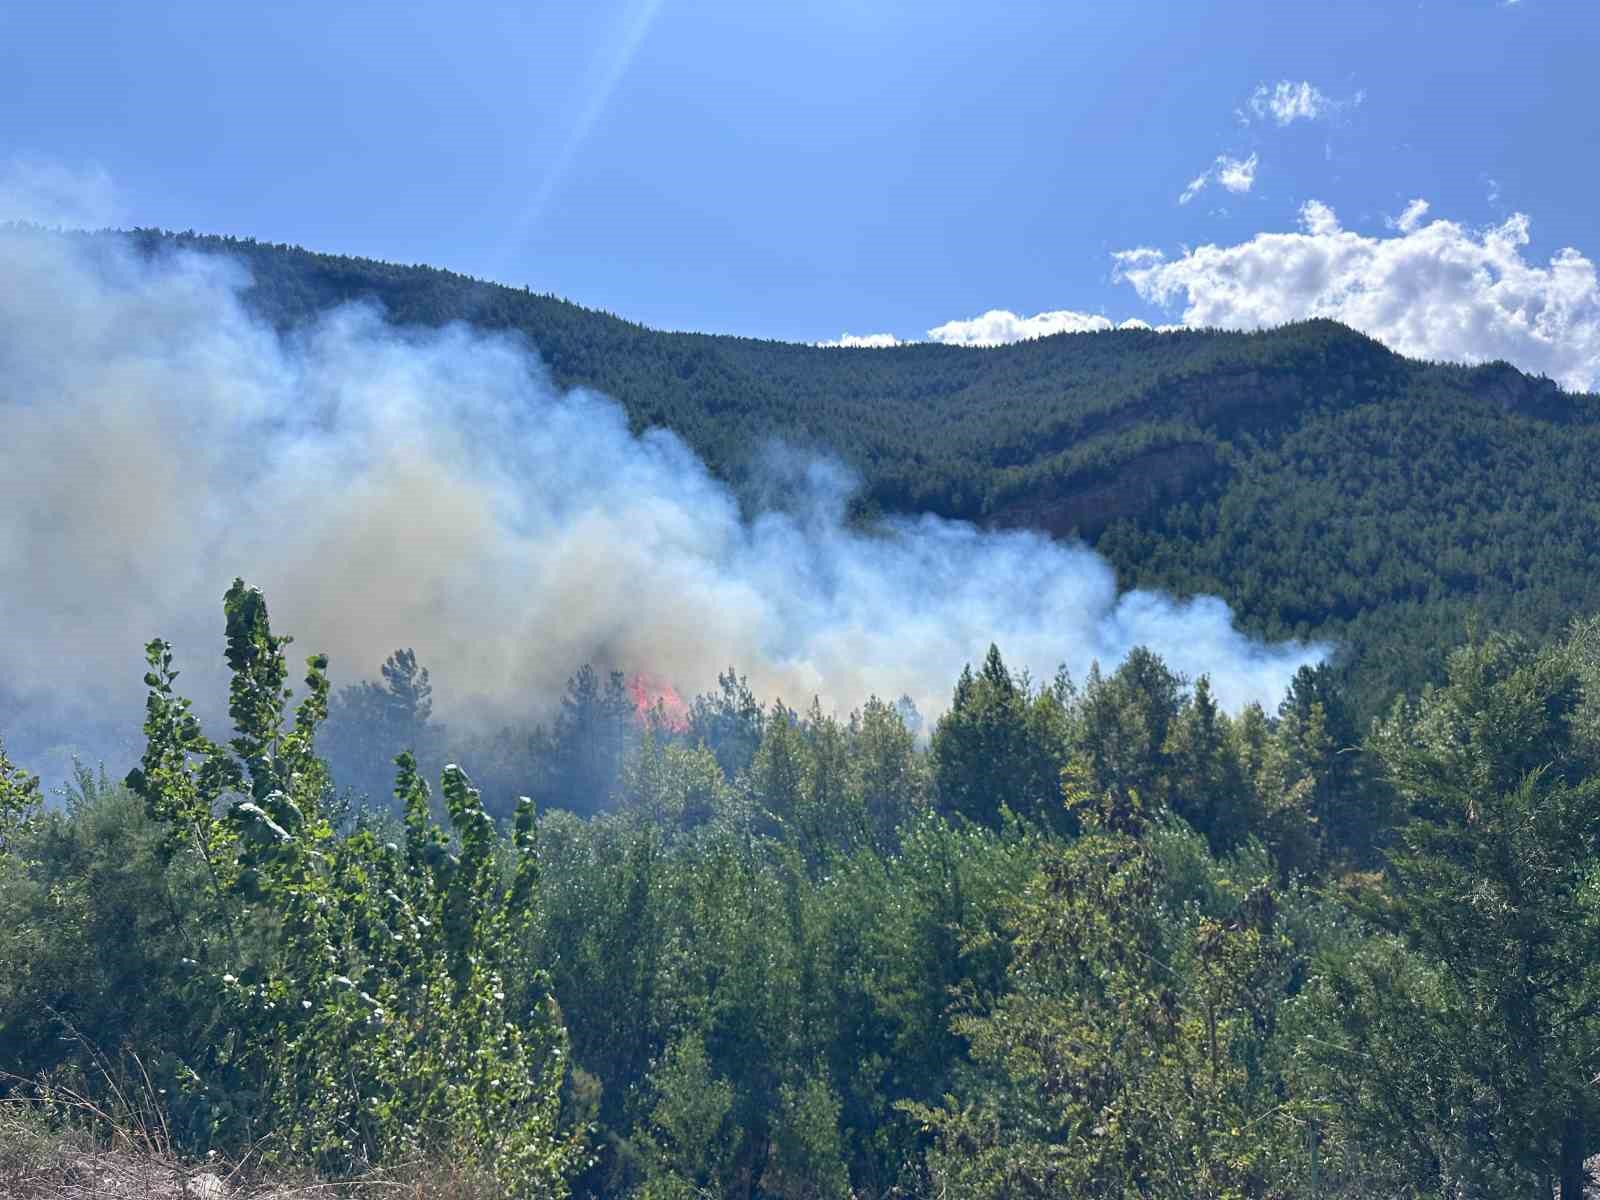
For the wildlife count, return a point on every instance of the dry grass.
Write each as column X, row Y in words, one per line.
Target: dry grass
column 37, row 1161
column 43, row 1160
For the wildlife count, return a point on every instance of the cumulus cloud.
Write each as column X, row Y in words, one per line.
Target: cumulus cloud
column 1318, row 219
column 1286, row 102
column 1410, row 217
column 1237, row 175
column 864, row 341
column 430, row 488
column 57, row 196
column 999, row 326
column 1441, row 290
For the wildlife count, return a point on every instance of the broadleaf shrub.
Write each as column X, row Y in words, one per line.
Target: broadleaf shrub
column 356, row 1009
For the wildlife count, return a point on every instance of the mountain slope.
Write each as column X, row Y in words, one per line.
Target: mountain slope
column 1321, row 484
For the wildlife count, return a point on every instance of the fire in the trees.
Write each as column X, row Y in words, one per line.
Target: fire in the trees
column 654, row 699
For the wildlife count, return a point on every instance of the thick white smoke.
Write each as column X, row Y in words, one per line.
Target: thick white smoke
column 429, row 488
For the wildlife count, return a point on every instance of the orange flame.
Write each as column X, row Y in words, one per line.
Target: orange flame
column 654, row 697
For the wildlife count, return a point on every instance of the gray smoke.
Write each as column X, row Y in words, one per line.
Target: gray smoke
column 389, row 487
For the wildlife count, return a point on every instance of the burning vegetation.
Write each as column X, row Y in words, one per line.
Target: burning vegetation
column 657, row 703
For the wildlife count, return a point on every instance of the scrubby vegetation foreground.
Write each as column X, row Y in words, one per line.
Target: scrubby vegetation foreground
column 1101, row 941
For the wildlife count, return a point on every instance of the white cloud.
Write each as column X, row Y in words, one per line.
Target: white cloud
column 1141, row 256
column 1286, row 102
column 1318, row 219
column 1289, row 102
column 1237, row 175
column 1410, row 218
column 866, row 341
column 1440, row 291
column 999, row 326
column 1196, row 186
column 56, row 196
column 1136, row 323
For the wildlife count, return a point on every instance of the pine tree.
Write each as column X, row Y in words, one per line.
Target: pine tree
column 1490, row 887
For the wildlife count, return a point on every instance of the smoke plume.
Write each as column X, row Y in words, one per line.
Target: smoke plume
column 392, row 487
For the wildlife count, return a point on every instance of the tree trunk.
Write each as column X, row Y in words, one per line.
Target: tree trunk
column 1572, row 1147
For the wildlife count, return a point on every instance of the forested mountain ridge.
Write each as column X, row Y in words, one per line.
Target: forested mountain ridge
column 1325, row 486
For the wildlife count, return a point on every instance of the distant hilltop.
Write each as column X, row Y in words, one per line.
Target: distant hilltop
column 1325, row 486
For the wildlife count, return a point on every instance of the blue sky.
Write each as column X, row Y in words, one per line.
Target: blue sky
column 802, row 171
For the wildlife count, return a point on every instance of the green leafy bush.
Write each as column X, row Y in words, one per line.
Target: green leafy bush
column 356, row 991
